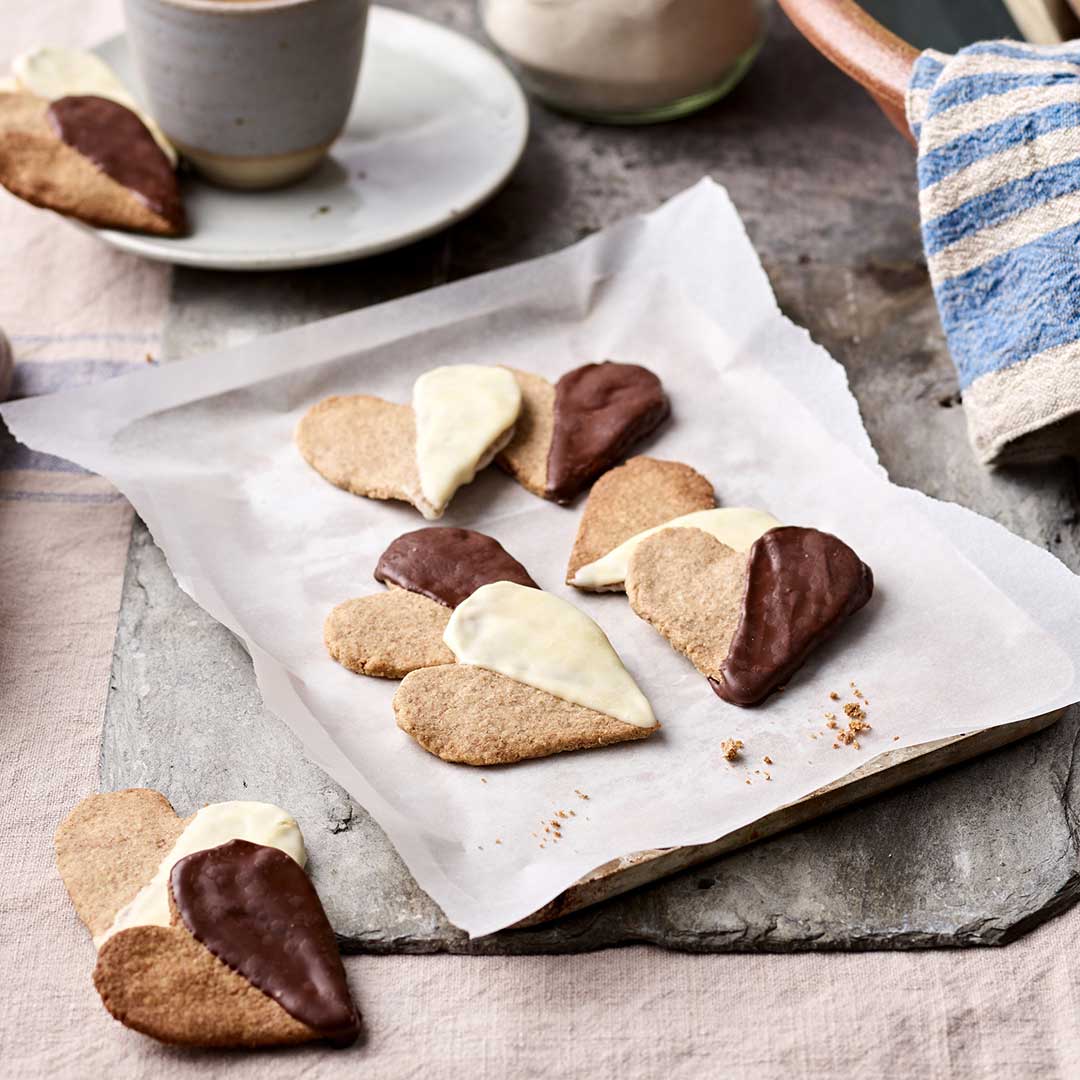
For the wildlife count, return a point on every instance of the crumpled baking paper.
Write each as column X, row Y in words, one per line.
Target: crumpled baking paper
column 969, row 626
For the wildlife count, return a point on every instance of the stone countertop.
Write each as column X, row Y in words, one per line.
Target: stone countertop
column 826, row 189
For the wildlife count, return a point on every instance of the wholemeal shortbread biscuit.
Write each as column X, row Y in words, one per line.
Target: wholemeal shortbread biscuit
column 689, row 586
column 362, row 444
column 747, row 621
column 388, row 634
column 89, row 158
column 475, row 716
column 461, row 416
column 209, row 931
column 534, row 676
column 573, row 432
column 634, row 497
column 428, row 571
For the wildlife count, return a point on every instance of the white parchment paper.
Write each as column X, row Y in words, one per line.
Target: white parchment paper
column 969, row 626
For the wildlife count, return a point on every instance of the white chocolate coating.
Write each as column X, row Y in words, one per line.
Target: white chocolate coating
column 738, row 527
column 542, row 641
column 52, row 72
column 464, row 416
column 218, row 823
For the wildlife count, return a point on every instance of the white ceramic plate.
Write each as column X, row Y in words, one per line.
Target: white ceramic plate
column 437, row 126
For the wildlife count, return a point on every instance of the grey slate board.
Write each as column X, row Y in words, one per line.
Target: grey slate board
column 973, row 856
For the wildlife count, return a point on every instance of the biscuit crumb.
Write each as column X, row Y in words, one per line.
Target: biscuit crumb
column 896, row 738
column 560, row 813
column 830, row 716
column 767, row 760
column 731, row 748
column 748, row 779
column 834, row 696
column 482, row 780
column 853, row 711
column 857, row 692
column 855, row 725
column 836, row 746
column 767, row 776
column 497, row 841
column 832, row 724
column 572, row 814
column 580, row 794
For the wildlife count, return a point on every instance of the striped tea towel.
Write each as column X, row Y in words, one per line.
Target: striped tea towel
column 998, row 131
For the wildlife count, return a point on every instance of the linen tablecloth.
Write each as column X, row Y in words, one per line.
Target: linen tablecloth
column 77, row 311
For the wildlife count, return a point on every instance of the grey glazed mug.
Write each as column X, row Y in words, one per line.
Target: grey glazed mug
column 252, row 92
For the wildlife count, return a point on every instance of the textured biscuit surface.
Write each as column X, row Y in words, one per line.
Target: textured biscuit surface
column 37, row 166
column 477, row 717
column 362, row 444
column 110, row 846
column 159, row 980
column 632, row 498
column 690, row 587
column 526, row 456
column 388, row 634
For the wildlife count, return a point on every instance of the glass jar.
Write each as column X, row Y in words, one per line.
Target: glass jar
column 627, row 61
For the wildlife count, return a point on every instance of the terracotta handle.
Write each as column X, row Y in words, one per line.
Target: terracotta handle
column 860, row 46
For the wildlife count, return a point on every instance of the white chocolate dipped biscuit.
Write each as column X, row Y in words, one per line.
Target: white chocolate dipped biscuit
column 538, row 639
column 465, row 414
column 218, row 823
column 737, row 527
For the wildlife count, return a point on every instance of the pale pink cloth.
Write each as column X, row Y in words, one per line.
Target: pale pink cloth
column 635, row 1012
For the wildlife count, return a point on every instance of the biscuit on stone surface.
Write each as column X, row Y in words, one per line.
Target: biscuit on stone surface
column 526, row 456
column 42, row 169
column 163, row 983
column 634, row 497
column 110, row 846
column 388, row 634
column 362, row 444
column 475, row 716
column 689, row 586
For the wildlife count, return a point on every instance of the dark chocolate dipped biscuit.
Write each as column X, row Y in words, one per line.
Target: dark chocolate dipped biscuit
column 256, row 910
column 800, row 585
column 746, row 621
column 601, row 410
column 448, row 565
column 571, row 433
column 89, row 158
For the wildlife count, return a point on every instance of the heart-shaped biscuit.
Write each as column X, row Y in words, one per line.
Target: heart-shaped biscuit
column 474, row 716
column 534, row 676
column 576, row 430
column 89, row 158
column 461, row 417
column 110, row 846
column 250, row 958
column 388, row 634
column 636, row 496
column 429, row 571
column 747, row 621
column 215, row 976
column 362, row 444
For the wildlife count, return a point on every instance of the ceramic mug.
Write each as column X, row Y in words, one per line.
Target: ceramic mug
column 252, row 92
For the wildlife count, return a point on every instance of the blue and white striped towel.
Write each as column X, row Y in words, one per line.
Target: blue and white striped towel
column 998, row 131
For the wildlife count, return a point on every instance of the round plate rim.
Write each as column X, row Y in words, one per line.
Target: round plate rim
column 163, row 249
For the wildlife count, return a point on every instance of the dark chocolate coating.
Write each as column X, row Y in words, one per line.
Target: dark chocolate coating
column 119, row 144
column 448, row 565
column 601, row 410
column 256, row 910
column 800, row 586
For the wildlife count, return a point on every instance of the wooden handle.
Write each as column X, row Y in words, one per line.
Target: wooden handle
column 860, row 46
